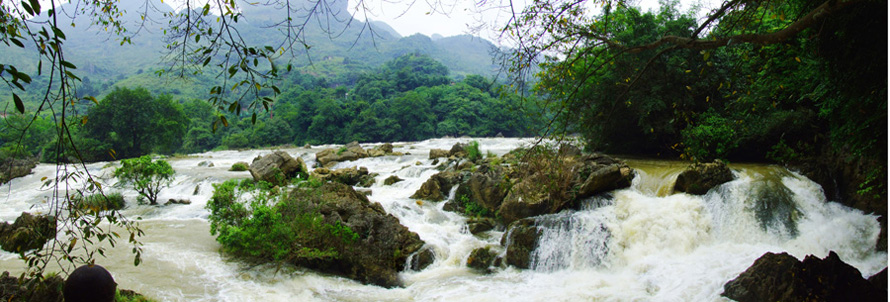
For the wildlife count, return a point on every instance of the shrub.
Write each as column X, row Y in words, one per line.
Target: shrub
column 239, row 166
column 99, row 202
column 714, row 137
column 256, row 222
column 473, row 152
column 146, row 176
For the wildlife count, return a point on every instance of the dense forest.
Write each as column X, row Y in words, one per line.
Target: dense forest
column 407, row 99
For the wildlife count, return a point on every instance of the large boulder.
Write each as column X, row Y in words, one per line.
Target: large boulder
column 349, row 152
column 781, row 277
column 481, row 259
column 350, row 176
column 28, row 232
column 436, row 188
column 14, row 289
column 562, row 184
column 436, row 153
column 520, row 240
column 382, row 247
column 16, row 167
column 699, row 178
column 530, row 197
column 277, row 168
column 599, row 173
column 484, row 188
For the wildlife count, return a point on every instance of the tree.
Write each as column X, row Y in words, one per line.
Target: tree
column 146, row 176
column 135, row 123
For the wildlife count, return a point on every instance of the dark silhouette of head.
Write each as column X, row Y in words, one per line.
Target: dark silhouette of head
column 90, row 283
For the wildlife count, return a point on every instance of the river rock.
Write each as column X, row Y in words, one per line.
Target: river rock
column 15, row 167
column 13, row 289
column 277, row 168
column 383, row 245
column 478, row 225
column 481, row 259
column 603, row 178
column 486, row 187
column 551, row 189
column 699, row 178
column 422, row 259
column 436, row 188
column 28, row 232
column 520, row 240
column 436, row 153
column 178, row 201
column 391, row 180
column 781, row 277
column 349, row 152
column 351, row 176
column 381, row 150
column 458, row 150
column 879, row 280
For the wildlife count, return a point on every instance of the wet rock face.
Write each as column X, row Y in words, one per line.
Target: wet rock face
column 48, row 290
column 700, row 178
column 520, row 240
column 350, row 176
column 437, row 187
column 14, row 167
column 383, row 246
column 90, row 283
column 478, row 225
column 422, row 259
column 277, row 168
column 481, row 259
column 485, row 188
column 547, row 192
column 781, row 277
column 28, row 232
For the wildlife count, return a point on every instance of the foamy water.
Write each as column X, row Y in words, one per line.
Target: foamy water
column 636, row 244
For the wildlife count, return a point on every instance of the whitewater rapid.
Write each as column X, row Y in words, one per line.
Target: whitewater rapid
column 636, row 244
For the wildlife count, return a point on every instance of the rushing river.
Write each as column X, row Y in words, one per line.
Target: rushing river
column 635, row 244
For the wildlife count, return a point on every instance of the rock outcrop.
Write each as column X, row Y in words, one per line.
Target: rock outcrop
column 478, row 225
column 481, row 259
column 520, row 240
column 28, row 232
column 350, row 176
column 700, row 178
column 781, row 277
column 436, row 188
column 349, row 152
column 552, row 189
column 457, row 151
column 382, row 247
column 277, row 168
column 391, row 180
column 15, row 167
column 485, row 188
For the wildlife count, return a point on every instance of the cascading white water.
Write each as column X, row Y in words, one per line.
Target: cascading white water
column 640, row 243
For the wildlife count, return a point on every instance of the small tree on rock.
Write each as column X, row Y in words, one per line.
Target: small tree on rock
column 146, row 177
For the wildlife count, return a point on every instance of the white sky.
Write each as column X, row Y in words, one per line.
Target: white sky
column 416, row 16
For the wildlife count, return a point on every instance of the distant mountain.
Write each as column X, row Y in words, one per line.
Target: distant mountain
column 331, row 33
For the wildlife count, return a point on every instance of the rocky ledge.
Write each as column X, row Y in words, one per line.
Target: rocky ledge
column 781, row 277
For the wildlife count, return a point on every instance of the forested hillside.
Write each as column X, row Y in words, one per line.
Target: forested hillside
column 407, row 99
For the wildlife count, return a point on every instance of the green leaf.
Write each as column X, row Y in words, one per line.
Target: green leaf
column 35, row 4
column 68, row 64
column 27, row 8
column 18, row 103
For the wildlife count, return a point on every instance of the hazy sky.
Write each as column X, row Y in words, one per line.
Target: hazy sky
column 450, row 19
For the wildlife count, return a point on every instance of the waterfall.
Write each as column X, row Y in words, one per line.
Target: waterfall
column 640, row 243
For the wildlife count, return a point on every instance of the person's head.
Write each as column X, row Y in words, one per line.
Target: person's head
column 90, row 283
